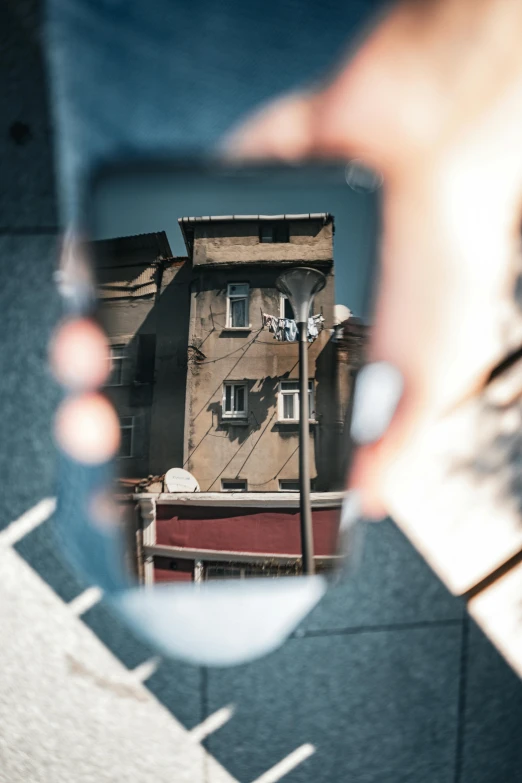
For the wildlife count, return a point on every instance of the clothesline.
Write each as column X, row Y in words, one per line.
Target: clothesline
column 285, row 329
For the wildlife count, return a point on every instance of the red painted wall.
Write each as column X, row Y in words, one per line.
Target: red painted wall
column 244, row 530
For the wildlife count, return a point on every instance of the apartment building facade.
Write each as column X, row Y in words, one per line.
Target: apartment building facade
column 200, row 383
column 242, row 402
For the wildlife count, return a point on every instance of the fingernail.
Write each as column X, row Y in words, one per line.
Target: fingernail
column 378, row 389
column 349, row 542
column 350, row 510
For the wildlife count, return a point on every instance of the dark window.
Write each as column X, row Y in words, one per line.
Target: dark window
column 127, row 431
column 286, row 308
column 274, row 232
column 117, row 354
column 232, row 570
column 289, row 485
column 234, row 485
column 146, row 358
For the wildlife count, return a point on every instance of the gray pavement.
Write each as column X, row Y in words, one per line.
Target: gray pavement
column 385, row 680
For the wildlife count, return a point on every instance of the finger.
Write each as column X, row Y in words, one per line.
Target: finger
column 280, row 130
column 87, row 429
column 79, row 355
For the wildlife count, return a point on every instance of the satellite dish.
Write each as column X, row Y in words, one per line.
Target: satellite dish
column 179, row 480
column 341, row 314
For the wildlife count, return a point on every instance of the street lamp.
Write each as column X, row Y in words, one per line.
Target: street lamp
column 300, row 285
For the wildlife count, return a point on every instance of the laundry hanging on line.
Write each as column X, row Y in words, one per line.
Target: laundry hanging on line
column 315, row 325
column 285, row 329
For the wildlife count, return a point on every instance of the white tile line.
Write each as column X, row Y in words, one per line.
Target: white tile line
column 85, row 601
column 75, row 667
column 287, row 764
column 16, row 530
column 145, row 669
column 212, row 723
column 38, row 514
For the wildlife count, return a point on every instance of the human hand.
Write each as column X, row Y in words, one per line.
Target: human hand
column 432, row 99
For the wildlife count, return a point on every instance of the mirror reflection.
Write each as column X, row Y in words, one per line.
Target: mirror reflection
column 206, row 349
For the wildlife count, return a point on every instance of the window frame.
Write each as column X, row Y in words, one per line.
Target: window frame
column 229, row 324
column 244, row 482
column 282, row 299
column 295, row 393
column 118, row 361
column 273, row 227
column 234, row 414
column 130, row 427
column 288, row 481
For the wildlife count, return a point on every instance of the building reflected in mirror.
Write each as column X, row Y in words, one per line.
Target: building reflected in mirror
column 205, row 382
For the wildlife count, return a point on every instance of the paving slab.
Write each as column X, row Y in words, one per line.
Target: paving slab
column 376, row 706
column 41, row 549
column 69, row 709
column 29, row 309
column 492, row 748
column 390, row 584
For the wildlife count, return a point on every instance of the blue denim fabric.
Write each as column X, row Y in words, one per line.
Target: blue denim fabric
column 133, row 76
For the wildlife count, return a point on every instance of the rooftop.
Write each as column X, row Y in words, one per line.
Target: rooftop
column 231, row 218
column 187, row 224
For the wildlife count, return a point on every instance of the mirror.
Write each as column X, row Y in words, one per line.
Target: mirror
column 226, row 293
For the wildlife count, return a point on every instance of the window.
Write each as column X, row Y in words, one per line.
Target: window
column 235, row 400
column 289, row 400
column 268, row 568
column 127, row 435
column 117, row 357
column 237, row 306
column 285, row 308
column 274, row 232
column 234, row 485
column 226, row 571
column 288, row 485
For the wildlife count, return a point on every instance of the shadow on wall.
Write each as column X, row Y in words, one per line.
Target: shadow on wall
column 144, row 307
column 329, row 433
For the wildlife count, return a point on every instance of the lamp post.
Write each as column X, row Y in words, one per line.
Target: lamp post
column 300, row 285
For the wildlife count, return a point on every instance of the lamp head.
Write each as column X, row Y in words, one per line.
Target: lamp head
column 300, row 285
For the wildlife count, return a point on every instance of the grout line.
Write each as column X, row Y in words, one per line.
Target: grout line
column 28, row 522
column 212, row 723
column 146, row 669
column 287, row 764
column 204, row 713
column 461, row 709
column 85, row 601
column 302, row 634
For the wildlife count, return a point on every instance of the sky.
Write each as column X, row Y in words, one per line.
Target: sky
column 141, row 200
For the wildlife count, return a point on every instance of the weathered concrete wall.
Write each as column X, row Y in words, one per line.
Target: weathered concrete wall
column 124, row 320
column 215, row 243
column 142, row 295
column 168, row 406
column 262, row 449
column 178, row 416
